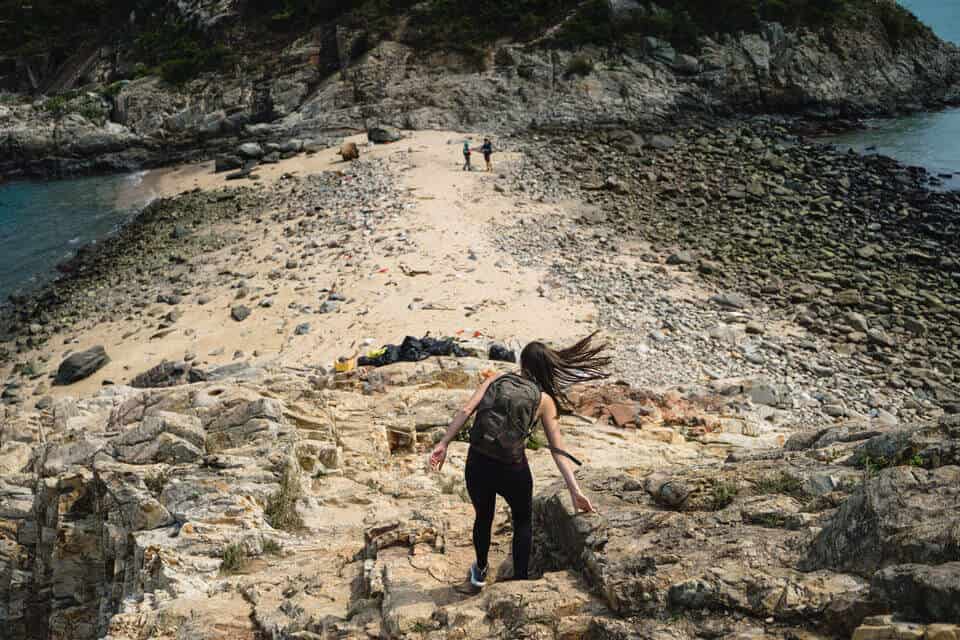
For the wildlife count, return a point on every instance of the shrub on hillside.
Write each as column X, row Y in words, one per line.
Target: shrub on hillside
column 579, row 66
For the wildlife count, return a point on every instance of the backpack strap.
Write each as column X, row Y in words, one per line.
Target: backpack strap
column 563, row 453
column 552, row 449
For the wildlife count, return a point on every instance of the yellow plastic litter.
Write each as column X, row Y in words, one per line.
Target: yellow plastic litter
column 376, row 353
column 343, row 365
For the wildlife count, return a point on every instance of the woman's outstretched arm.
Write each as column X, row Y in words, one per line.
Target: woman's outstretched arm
column 439, row 453
column 551, row 426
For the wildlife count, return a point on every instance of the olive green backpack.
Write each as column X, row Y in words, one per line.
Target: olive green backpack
column 505, row 418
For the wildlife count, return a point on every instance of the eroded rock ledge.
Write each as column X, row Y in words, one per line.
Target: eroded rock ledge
column 298, row 506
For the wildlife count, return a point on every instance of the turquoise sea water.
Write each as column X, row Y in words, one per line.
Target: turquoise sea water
column 43, row 223
column 930, row 140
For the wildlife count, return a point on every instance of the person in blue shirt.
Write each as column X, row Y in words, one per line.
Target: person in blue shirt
column 466, row 156
column 487, row 150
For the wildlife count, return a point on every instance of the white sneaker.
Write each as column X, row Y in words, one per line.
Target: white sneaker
column 478, row 578
column 475, row 582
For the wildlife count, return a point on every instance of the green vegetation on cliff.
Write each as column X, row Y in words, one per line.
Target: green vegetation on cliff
column 55, row 26
column 684, row 22
column 160, row 40
column 179, row 51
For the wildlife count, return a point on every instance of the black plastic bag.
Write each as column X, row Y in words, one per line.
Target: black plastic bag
column 412, row 350
column 501, row 353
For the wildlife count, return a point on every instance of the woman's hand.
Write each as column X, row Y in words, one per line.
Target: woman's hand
column 581, row 503
column 438, row 456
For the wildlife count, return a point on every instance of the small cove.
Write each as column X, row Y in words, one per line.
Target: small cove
column 44, row 223
column 929, row 140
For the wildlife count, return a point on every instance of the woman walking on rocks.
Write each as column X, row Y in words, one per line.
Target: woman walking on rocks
column 507, row 408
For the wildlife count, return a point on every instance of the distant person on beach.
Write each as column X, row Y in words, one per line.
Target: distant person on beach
column 508, row 407
column 466, row 156
column 487, row 150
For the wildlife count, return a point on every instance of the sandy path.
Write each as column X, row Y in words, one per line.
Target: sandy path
column 471, row 285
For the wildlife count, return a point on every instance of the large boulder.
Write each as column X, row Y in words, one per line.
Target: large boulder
column 383, row 134
column 920, row 592
column 349, row 151
column 928, row 446
column 250, row 150
column 82, row 364
column 641, row 555
column 904, row 515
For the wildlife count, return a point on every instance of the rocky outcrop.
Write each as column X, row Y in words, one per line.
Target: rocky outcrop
column 904, row 515
column 919, row 591
column 298, row 506
column 316, row 86
column 36, row 141
column 208, row 14
column 840, row 72
column 646, row 559
column 849, row 73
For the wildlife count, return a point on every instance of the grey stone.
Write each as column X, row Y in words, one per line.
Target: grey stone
column 667, row 491
column 878, row 336
column 919, row 592
column 768, row 394
column 383, row 134
column 856, row 321
column 165, row 374
column 681, row 258
column 250, row 150
column 686, row 64
column 661, row 142
column 903, row 515
column 82, row 365
column 730, row 300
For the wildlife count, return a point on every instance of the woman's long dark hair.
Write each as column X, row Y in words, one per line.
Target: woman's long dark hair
column 557, row 370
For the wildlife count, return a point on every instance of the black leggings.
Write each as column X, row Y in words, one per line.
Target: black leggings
column 486, row 478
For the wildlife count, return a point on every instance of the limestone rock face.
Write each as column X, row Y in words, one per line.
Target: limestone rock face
column 267, row 502
column 647, row 559
column 920, row 592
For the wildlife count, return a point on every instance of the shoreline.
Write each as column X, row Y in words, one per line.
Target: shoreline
column 941, row 178
column 757, row 371
column 213, row 222
column 133, row 193
column 194, row 184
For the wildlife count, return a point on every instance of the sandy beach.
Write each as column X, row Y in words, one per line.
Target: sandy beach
column 449, row 280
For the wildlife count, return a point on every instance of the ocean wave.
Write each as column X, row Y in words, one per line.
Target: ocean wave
column 135, row 178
